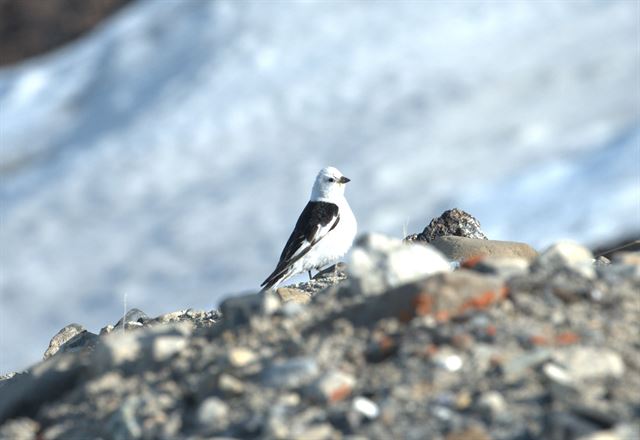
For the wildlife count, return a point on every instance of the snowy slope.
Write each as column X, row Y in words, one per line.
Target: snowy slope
column 166, row 156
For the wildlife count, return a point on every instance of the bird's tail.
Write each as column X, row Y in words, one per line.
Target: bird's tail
column 278, row 276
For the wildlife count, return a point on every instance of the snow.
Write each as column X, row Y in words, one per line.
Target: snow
column 167, row 155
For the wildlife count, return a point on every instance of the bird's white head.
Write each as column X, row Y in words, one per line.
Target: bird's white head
column 329, row 185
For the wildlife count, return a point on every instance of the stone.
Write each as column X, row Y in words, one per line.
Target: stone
column 332, row 386
column 321, row 431
column 61, row 337
column 366, row 407
column 518, row 366
column 238, row 310
column 619, row 432
column 629, row 258
column 213, row 415
column 124, row 423
column 568, row 254
column 240, row 357
column 502, row 266
column 463, row 248
column 106, row 329
column 83, row 341
column 119, row 348
column 442, row 296
column 454, row 222
column 291, row 373
column 133, row 315
column 21, row 428
column 585, row 363
column 472, row 433
column 379, row 263
column 492, row 405
column 289, row 294
column 448, row 360
column 165, row 347
column 557, row 374
column 230, row 384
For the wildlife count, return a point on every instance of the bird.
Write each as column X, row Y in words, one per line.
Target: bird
column 323, row 233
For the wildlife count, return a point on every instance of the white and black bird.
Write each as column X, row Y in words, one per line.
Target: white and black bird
column 323, row 233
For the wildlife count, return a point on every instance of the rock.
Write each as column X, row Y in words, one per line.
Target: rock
column 230, row 385
column 213, row 415
column 238, row 310
column 502, row 266
column 534, row 356
column 133, row 315
column 602, row 261
column 462, row 248
column 145, row 414
column 557, row 374
column 124, row 423
column 442, row 296
column 119, row 348
column 24, row 394
column 240, row 357
column 291, row 373
column 492, row 405
column 166, row 346
column 322, row 431
column 629, row 258
column 82, row 342
column 448, row 360
column 590, row 363
column 20, row 429
column 61, row 337
column 472, row 433
column 621, row 432
column 288, row 294
column 379, row 263
column 106, row 329
column 366, row 407
column 333, row 386
column 568, row 254
column 453, row 222
column 520, row 366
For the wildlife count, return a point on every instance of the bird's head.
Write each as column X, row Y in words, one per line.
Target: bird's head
column 329, row 184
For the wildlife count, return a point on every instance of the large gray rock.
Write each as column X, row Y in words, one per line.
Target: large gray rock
column 568, row 254
column 463, row 248
column 454, row 222
column 61, row 338
column 379, row 263
column 590, row 363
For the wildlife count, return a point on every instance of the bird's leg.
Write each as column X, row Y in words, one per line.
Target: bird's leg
column 309, row 275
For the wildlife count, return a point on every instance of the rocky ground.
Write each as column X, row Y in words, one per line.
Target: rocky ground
column 408, row 341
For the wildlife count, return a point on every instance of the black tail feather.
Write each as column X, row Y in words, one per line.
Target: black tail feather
column 280, row 274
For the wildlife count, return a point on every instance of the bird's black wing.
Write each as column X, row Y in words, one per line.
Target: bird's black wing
column 315, row 222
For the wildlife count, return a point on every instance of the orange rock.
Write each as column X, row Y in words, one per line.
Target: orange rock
column 423, row 303
column 471, row 262
column 538, row 340
column 340, row 393
column 567, row 338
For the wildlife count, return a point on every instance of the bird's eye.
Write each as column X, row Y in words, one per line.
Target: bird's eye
column 331, row 179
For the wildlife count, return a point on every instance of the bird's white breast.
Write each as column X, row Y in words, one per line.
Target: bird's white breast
column 336, row 243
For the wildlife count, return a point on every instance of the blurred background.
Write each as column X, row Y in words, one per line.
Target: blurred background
column 161, row 151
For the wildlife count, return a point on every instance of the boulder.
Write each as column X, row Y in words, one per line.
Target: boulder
column 454, row 222
column 379, row 263
column 463, row 248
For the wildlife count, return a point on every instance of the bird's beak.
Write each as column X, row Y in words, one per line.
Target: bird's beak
column 344, row 180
